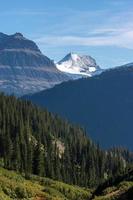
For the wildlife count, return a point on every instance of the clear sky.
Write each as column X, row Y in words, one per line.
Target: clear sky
column 100, row 28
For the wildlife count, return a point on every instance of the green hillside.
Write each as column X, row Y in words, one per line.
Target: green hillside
column 123, row 191
column 118, row 188
column 15, row 186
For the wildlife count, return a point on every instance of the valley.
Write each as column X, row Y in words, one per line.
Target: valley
column 66, row 100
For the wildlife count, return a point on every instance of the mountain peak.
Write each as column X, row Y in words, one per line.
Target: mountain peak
column 17, row 41
column 74, row 63
column 74, row 56
column 23, row 68
column 18, row 35
column 72, row 53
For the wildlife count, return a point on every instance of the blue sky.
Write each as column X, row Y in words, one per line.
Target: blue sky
column 100, row 28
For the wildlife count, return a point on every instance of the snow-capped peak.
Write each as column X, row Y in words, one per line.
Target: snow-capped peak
column 83, row 65
column 74, row 56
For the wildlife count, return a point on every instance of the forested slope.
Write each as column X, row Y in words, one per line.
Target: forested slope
column 34, row 141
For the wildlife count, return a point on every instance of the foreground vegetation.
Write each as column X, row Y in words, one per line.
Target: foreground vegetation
column 15, row 186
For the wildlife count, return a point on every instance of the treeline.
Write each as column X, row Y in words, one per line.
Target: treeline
column 34, row 141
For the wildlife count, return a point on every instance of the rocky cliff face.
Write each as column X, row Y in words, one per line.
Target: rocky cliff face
column 23, row 68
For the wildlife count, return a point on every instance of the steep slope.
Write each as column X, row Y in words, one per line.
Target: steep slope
column 34, row 141
column 23, row 68
column 102, row 104
column 118, row 188
column 78, row 64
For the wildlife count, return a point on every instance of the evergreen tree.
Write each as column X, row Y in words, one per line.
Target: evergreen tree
column 32, row 140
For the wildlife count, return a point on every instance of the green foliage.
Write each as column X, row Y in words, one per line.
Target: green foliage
column 119, row 192
column 14, row 186
column 118, row 188
column 70, row 192
column 34, row 141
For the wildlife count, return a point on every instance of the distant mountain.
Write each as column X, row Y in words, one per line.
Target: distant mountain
column 102, row 104
column 81, row 65
column 23, row 68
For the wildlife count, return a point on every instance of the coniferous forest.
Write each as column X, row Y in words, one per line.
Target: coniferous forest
column 34, row 141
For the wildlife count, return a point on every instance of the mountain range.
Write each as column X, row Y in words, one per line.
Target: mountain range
column 43, row 149
column 100, row 102
column 24, row 69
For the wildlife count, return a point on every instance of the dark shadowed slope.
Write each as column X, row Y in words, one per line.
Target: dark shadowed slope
column 103, row 104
